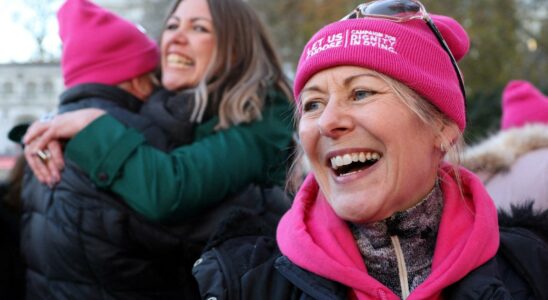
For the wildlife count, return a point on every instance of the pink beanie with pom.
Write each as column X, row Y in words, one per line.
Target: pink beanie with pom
column 101, row 47
column 408, row 52
column 522, row 103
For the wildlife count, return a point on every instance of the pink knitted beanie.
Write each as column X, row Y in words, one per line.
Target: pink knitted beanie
column 522, row 103
column 408, row 52
column 101, row 47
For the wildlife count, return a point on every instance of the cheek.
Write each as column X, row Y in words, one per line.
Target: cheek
column 424, row 161
column 414, row 175
column 206, row 50
column 308, row 135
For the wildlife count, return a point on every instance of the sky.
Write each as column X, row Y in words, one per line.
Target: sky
column 17, row 43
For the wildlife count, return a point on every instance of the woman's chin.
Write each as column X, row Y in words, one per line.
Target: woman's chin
column 174, row 85
column 352, row 213
column 356, row 211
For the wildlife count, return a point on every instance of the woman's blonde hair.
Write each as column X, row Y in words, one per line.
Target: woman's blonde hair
column 244, row 66
column 426, row 111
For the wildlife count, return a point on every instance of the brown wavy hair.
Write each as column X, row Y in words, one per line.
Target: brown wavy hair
column 244, row 66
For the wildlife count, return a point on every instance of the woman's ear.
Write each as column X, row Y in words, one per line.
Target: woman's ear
column 448, row 134
column 142, row 86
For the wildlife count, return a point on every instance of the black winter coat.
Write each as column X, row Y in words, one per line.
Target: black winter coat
column 82, row 243
column 244, row 265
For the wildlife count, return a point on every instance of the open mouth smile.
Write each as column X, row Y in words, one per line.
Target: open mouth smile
column 350, row 163
column 179, row 61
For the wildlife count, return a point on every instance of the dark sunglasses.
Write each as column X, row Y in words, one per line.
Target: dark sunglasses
column 402, row 11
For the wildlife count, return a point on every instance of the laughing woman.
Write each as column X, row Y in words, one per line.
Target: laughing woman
column 381, row 216
column 220, row 53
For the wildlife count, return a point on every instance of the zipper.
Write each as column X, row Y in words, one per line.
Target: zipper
column 402, row 268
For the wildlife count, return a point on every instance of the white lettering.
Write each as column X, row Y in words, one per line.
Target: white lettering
column 332, row 41
column 365, row 38
column 373, row 39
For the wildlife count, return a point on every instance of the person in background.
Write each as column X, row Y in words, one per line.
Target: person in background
column 380, row 103
column 513, row 163
column 79, row 241
column 219, row 50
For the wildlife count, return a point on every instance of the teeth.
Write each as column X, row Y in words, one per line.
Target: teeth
column 176, row 60
column 346, row 159
column 333, row 165
column 338, row 161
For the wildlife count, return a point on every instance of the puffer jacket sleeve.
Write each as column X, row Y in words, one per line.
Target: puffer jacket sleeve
column 177, row 185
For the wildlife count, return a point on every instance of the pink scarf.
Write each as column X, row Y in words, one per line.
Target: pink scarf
column 315, row 239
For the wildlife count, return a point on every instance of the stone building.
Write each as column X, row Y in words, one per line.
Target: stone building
column 30, row 90
column 27, row 91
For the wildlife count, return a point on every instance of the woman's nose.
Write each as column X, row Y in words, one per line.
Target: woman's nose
column 335, row 120
column 180, row 36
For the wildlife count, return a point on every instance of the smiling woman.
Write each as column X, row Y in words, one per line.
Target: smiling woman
column 357, row 113
column 380, row 102
column 219, row 51
column 188, row 43
column 216, row 57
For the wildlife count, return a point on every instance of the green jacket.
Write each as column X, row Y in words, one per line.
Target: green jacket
column 178, row 185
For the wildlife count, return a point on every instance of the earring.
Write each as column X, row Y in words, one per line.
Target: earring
column 443, row 147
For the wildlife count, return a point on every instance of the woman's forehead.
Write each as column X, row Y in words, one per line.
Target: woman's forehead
column 342, row 75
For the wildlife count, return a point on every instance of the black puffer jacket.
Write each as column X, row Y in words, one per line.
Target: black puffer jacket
column 248, row 265
column 83, row 243
column 123, row 106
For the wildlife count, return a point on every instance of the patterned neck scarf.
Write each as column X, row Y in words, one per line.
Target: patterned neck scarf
column 416, row 229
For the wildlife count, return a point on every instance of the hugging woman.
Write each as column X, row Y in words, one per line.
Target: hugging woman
column 148, row 213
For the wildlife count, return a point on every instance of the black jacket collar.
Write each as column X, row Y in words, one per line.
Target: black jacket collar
column 113, row 94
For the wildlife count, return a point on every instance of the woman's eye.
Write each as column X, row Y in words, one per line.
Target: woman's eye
column 310, row 106
column 172, row 26
column 200, row 28
column 362, row 94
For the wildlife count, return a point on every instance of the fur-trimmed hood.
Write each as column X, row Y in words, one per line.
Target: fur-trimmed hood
column 499, row 151
column 525, row 216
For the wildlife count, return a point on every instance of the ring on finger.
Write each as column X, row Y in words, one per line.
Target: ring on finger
column 43, row 155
